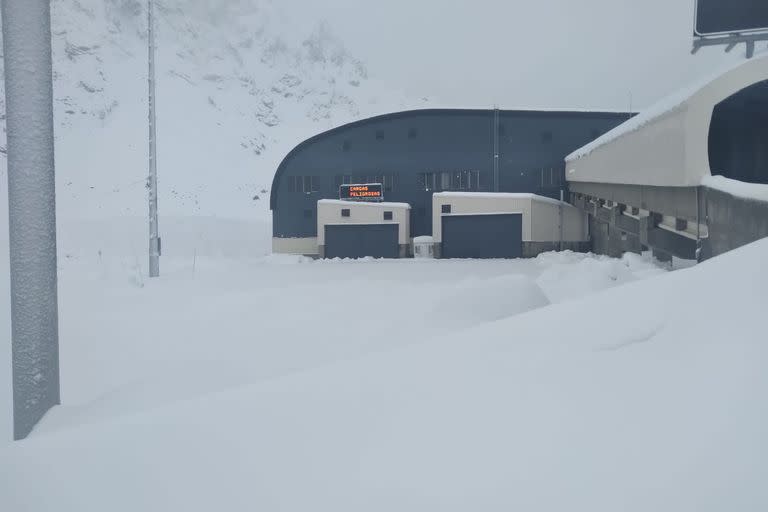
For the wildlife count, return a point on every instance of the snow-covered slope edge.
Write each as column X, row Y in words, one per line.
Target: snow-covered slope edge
column 645, row 397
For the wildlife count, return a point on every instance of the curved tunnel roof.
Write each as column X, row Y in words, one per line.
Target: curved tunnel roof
column 353, row 124
column 667, row 144
column 395, row 115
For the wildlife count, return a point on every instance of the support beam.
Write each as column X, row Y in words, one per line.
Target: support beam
column 730, row 41
column 32, row 210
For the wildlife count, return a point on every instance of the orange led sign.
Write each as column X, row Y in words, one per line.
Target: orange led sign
column 363, row 192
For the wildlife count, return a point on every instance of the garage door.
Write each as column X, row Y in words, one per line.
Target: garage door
column 360, row 240
column 482, row 236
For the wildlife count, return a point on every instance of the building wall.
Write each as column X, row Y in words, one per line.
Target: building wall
column 732, row 221
column 654, row 155
column 305, row 246
column 401, row 148
column 541, row 216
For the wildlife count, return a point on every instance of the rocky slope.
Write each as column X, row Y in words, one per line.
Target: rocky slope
column 240, row 82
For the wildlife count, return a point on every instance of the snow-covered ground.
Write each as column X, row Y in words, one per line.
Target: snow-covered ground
column 241, row 380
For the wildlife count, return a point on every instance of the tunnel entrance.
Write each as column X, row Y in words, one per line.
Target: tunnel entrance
column 738, row 135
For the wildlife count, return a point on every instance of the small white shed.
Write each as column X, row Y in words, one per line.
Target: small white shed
column 352, row 229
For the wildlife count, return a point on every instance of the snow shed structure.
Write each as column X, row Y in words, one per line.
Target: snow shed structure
column 504, row 225
column 350, row 229
column 414, row 154
column 644, row 183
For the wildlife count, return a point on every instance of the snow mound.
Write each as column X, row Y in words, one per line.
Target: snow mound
column 479, row 301
column 560, row 282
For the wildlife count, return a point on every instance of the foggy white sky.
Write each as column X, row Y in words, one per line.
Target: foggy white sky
column 523, row 53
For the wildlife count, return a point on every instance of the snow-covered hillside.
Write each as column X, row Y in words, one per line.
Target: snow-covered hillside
column 240, row 82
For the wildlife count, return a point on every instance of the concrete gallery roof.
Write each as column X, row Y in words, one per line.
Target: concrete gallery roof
column 667, row 144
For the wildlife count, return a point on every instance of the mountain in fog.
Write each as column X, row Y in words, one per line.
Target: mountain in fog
column 239, row 83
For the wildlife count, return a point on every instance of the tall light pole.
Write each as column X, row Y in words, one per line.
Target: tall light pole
column 154, row 235
column 32, row 210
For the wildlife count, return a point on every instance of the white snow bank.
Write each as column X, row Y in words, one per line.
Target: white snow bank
column 662, row 107
column 571, row 275
column 646, row 397
column 756, row 191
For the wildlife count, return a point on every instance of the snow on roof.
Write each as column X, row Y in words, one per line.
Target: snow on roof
column 502, row 195
column 381, row 204
column 657, row 110
column 755, row 191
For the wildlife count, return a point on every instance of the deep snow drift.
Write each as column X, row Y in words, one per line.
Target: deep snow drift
column 241, row 382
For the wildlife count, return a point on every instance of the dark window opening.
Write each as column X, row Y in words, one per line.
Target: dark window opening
column 304, row 184
column 428, row 181
column 551, row 177
column 345, row 212
column 389, row 182
column 387, row 215
column 737, row 135
column 446, row 208
column 445, row 180
column 310, row 184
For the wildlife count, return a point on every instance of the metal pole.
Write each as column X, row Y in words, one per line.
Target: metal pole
column 154, row 237
column 32, row 210
column 561, row 219
column 495, row 149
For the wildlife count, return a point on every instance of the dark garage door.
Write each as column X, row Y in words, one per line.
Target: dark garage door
column 360, row 240
column 483, row 236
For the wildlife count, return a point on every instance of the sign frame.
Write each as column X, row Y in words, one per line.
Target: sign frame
column 734, row 32
column 729, row 39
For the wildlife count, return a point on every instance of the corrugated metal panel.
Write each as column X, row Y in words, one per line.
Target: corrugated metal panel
column 361, row 240
column 482, row 236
